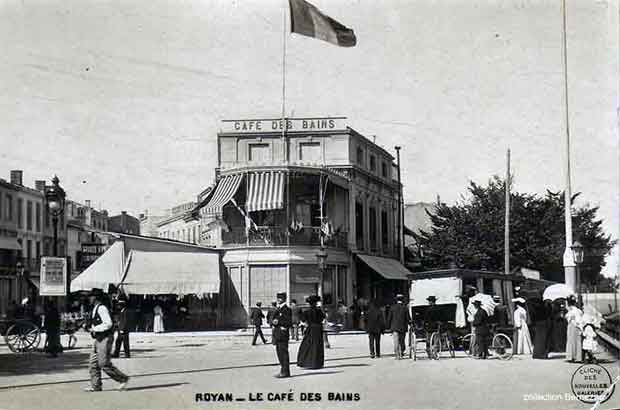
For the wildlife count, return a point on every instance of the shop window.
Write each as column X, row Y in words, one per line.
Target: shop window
column 342, row 284
column 265, row 282
column 328, row 286
column 310, row 151
column 259, row 153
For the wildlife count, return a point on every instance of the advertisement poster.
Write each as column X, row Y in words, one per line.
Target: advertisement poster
column 53, row 276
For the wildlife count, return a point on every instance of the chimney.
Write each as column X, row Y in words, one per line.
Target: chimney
column 39, row 185
column 87, row 203
column 17, row 177
column 123, row 212
column 141, row 216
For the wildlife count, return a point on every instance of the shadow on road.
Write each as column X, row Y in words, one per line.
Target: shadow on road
column 346, row 365
column 315, row 373
column 155, row 386
column 36, row 363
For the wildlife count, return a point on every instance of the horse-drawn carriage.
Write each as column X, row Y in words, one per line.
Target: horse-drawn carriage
column 23, row 334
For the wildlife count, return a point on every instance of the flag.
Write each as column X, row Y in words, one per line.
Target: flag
column 307, row 20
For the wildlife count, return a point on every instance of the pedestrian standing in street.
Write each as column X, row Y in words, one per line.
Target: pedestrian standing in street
column 296, row 310
column 270, row 312
column 481, row 331
column 523, row 341
column 573, row 331
column 542, row 326
column 100, row 329
column 398, row 322
column 311, row 353
column 375, row 326
column 123, row 328
column 52, row 329
column 500, row 313
column 158, row 318
column 256, row 317
column 282, row 320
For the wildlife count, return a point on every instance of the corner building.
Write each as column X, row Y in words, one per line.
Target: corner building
column 280, row 194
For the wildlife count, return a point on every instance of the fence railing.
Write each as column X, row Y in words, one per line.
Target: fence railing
column 281, row 236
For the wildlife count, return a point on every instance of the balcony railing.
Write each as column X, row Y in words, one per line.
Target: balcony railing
column 280, row 236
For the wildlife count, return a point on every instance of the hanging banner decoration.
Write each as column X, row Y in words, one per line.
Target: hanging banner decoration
column 53, row 276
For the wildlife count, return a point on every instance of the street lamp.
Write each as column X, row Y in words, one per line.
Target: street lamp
column 55, row 198
column 577, row 249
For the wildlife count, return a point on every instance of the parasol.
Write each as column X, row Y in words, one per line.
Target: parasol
column 487, row 304
column 592, row 316
column 557, row 291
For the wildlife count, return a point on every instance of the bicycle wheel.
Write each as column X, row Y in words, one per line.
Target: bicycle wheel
column 502, row 345
column 466, row 343
column 435, row 346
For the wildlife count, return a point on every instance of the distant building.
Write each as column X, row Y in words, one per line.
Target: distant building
column 124, row 223
column 149, row 221
column 180, row 225
column 86, row 238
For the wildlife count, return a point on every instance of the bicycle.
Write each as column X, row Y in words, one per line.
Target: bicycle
column 440, row 341
column 501, row 344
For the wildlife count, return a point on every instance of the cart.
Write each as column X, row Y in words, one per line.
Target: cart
column 21, row 335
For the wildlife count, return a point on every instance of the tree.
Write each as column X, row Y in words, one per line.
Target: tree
column 470, row 234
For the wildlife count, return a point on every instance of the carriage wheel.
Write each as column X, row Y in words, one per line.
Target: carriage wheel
column 22, row 337
column 466, row 342
column 435, row 346
column 502, row 345
column 450, row 346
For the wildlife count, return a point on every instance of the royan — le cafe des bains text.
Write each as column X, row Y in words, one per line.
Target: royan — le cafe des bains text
column 312, row 209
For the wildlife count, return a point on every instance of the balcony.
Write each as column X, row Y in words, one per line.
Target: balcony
column 268, row 236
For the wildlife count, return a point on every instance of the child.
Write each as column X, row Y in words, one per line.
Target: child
column 589, row 343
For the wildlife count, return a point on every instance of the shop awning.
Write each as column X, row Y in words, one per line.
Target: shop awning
column 179, row 273
column 9, row 243
column 225, row 190
column 265, row 191
column 386, row 267
column 107, row 269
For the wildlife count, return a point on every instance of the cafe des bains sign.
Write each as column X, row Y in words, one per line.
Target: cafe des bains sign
column 279, row 125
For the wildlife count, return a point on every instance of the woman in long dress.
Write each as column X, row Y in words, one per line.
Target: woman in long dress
column 158, row 319
column 523, row 340
column 311, row 354
column 573, row 331
column 541, row 313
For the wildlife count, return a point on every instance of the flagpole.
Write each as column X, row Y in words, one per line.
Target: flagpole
column 284, row 140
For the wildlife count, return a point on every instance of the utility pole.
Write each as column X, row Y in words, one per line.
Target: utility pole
column 507, row 188
column 401, row 228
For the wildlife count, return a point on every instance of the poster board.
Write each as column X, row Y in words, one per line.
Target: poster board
column 53, row 276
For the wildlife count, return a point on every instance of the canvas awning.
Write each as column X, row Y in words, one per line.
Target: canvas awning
column 386, row 267
column 9, row 243
column 107, row 269
column 179, row 273
column 226, row 188
column 265, row 191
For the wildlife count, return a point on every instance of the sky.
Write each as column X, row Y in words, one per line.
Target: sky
column 123, row 99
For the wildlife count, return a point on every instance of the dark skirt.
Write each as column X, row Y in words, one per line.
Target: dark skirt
column 541, row 340
column 311, row 352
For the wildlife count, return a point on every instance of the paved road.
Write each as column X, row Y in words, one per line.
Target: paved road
column 170, row 370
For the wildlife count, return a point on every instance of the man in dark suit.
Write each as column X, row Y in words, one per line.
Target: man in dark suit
column 481, row 331
column 256, row 317
column 124, row 326
column 375, row 325
column 281, row 322
column 500, row 314
column 398, row 323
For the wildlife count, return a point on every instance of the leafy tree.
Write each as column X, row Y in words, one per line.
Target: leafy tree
column 470, row 234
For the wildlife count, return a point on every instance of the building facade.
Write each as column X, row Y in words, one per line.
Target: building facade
column 124, row 223
column 86, row 237
column 282, row 198
column 180, row 225
column 26, row 234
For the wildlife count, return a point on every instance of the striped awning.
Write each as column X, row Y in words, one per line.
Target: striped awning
column 225, row 190
column 265, row 191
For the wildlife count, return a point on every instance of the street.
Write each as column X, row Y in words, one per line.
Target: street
column 171, row 371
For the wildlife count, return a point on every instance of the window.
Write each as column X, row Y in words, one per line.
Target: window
column 38, row 218
column 359, row 225
column 20, row 213
column 384, row 170
column 360, row 156
column 310, row 151
column 384, row 229
column 38, row 247
column 372, row 229
column 342, row 283
column 373, row 163
column 259, row 153
column 29, row 250
column 29, row 215
column 328, row 285
column 9, row 207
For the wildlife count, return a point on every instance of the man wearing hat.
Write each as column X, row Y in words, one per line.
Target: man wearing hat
column 257, row 317
column 500, row 314
column 481, row 331
column 101, row 331
column 281, row 322
column 124, row 325
column 432, row 318
column 398, row 322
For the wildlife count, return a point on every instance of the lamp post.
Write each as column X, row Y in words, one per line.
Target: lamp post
column 55, row 198
column 321, row 258
column 577, row 249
